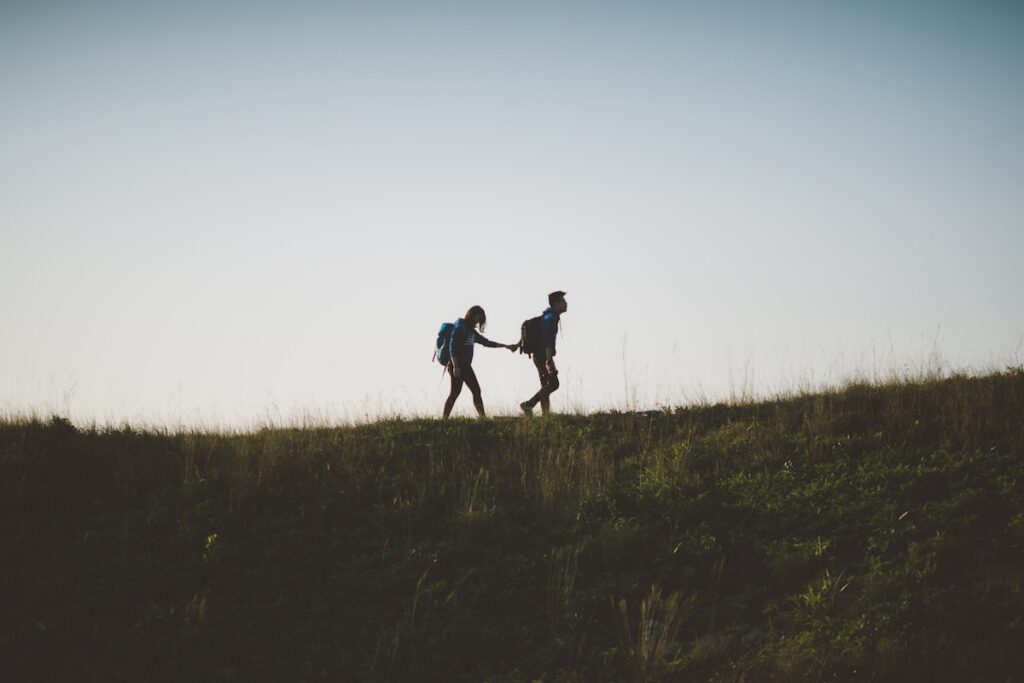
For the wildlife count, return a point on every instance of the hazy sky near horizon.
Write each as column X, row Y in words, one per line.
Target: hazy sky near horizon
column 221, row 213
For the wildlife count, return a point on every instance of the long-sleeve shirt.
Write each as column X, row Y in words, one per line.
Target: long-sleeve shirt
column 464, row 336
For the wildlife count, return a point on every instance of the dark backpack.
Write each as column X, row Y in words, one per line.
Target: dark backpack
column 531, row 338
column 442, row 349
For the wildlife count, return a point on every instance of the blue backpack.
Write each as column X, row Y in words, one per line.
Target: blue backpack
column 442, row 350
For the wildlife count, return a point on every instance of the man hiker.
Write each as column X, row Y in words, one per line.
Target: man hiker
column 543, row 352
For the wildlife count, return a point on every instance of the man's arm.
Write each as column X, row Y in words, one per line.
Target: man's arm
column 549, row 326
column 549, row 360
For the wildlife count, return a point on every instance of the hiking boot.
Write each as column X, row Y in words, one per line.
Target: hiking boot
column 526, row 408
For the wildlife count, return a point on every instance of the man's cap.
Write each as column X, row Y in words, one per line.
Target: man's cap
column 556, row 295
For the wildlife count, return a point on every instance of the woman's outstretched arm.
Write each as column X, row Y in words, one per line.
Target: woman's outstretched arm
column 484, row 341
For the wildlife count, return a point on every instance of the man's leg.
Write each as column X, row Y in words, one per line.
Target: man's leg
column 548, row 383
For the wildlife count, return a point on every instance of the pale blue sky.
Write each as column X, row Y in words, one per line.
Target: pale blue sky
column 220, row 213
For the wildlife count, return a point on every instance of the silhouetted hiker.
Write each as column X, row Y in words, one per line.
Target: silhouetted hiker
column 538, row 340
column 456, row 353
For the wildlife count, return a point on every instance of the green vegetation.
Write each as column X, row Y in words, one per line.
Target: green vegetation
column 871, row 533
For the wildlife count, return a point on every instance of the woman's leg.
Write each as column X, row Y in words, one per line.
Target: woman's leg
column 453, row 394
column 471, row 381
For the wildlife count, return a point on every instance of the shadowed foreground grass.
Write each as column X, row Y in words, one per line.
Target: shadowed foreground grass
column 873, row 533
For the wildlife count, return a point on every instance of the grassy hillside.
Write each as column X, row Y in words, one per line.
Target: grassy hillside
column 873, row 533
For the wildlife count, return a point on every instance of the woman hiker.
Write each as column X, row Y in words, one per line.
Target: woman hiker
column 463, row 338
